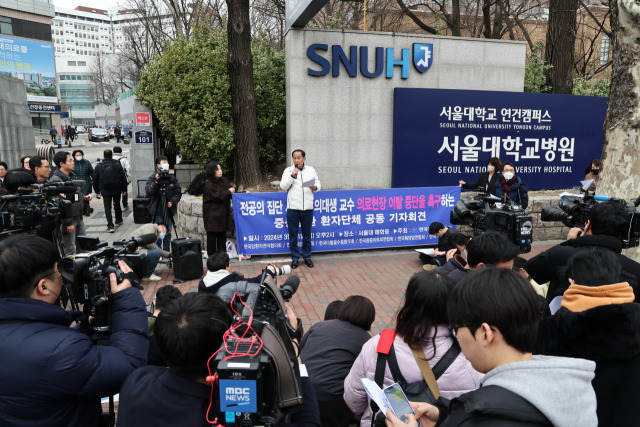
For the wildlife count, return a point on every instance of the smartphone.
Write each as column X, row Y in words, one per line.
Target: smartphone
column 398, row 402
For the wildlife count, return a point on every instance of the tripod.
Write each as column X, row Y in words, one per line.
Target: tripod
column 162, row 200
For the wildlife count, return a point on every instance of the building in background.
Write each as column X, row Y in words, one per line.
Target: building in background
column 26, row 53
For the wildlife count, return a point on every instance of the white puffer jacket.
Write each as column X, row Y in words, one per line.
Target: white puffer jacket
column 299, row 198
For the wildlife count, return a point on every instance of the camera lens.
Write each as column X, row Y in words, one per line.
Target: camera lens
column 283, row 271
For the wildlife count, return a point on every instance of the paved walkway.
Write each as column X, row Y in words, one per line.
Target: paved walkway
column 380, row 275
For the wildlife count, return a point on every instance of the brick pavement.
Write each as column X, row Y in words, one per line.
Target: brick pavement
column 380, row 275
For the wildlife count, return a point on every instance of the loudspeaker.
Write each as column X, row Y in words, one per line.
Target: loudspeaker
column 187, row 258
column 141, row 210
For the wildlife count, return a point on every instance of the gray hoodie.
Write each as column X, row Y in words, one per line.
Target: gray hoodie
column 560, row 387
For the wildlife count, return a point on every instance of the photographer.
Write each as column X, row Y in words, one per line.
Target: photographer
column 607, row 222
column 153, row 251
column 164, row 190
column 189, row 330
column 73, row 226
column 54, row 375
column 40, row 168
column 220, row 274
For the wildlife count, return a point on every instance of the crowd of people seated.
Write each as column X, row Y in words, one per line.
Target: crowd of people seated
column 549, row 341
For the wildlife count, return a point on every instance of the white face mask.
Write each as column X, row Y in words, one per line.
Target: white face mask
column 79, row 158
column 508, row 175
column 490, row 168
column 164, row 166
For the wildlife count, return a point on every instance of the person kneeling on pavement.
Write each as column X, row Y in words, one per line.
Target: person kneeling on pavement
column 153, row 251
column 189, row 330
column 219, row 274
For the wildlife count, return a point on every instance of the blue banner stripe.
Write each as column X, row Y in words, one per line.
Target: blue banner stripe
column 345, row 220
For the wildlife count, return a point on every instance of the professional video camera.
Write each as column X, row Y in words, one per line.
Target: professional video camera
column 508, row 219
column 28, row 211
column 86, row 278
column 257, row 368
column 574, row 210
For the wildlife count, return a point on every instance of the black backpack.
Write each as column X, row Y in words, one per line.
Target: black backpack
column 109, row 175
column 197, row 185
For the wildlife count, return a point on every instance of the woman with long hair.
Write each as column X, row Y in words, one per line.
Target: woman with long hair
column 487, row 181
column 421, row 324
column 216, row 207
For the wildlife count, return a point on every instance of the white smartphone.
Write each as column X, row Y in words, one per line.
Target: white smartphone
column 398, row 402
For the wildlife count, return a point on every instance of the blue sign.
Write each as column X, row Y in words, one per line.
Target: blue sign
column 64, row 115
column 238, row 396
column 443, row 136
column 422, row 56
column 143, row 137
column 422, row 60
column 46, row 108
column 32, row 62
column 344, row 220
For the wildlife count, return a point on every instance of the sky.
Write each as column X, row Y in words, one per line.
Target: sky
column 71, row 4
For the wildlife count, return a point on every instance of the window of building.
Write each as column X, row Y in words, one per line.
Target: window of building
column 71, row 63
column 605, row 46
column 82, row 63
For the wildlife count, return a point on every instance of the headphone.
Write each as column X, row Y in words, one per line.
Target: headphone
column 44, row 287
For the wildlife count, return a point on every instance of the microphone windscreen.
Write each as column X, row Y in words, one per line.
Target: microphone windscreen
column 146, row 239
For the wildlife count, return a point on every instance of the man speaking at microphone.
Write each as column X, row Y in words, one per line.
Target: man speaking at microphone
column 300, row 181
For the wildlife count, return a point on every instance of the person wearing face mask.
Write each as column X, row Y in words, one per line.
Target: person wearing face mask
column 153, row 251
column 52, row 374
column 513, row 186
column 216, row 197
column 487, row 181
column 593, row 172
column 164, row 190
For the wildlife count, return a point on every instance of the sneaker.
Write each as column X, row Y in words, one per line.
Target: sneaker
column 124, row 208
column 152, row 278
column 428, row 267
column 111, row 229
column 118, row 223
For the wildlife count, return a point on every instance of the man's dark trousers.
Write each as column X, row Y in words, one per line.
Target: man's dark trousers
column 295, row 220
column 114, row 201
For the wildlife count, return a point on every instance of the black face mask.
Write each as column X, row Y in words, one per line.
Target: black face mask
column 595, row 171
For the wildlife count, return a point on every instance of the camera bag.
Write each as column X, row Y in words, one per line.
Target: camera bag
column 425, row 390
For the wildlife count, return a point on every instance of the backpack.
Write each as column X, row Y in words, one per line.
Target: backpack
column 125, row 167
column 109, row 175
column 418, row 391
column 197, row 185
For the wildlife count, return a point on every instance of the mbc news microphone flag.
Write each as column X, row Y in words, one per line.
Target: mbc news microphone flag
column 345, row 220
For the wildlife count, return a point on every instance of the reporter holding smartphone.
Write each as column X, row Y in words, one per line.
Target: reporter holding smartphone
column 300, row 181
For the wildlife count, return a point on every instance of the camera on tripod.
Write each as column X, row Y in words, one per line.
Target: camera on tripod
column 574, row 211
column 86, row 278
column 508, row 219
column 257, row 368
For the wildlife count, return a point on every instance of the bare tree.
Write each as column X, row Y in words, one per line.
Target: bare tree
column 593, row 26
column 104, row 83
column 560, row 45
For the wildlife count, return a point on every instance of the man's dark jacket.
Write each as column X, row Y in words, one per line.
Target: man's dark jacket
column 489, row 406
column 610, row 336
column 454, row 269
column 174, row 194
column 54, row 375
column 153, row 396
column 99, row 187
column 550, row 265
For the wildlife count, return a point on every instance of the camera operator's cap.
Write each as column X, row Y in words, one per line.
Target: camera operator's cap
column 435, row 227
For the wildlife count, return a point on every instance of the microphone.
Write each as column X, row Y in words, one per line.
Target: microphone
column 289, row 287
column 146, row 239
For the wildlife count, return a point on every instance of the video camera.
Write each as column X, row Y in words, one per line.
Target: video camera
column 257, row 368
column 27, row 211
column 574, row 210
column 508, row 219
column 86, row 278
